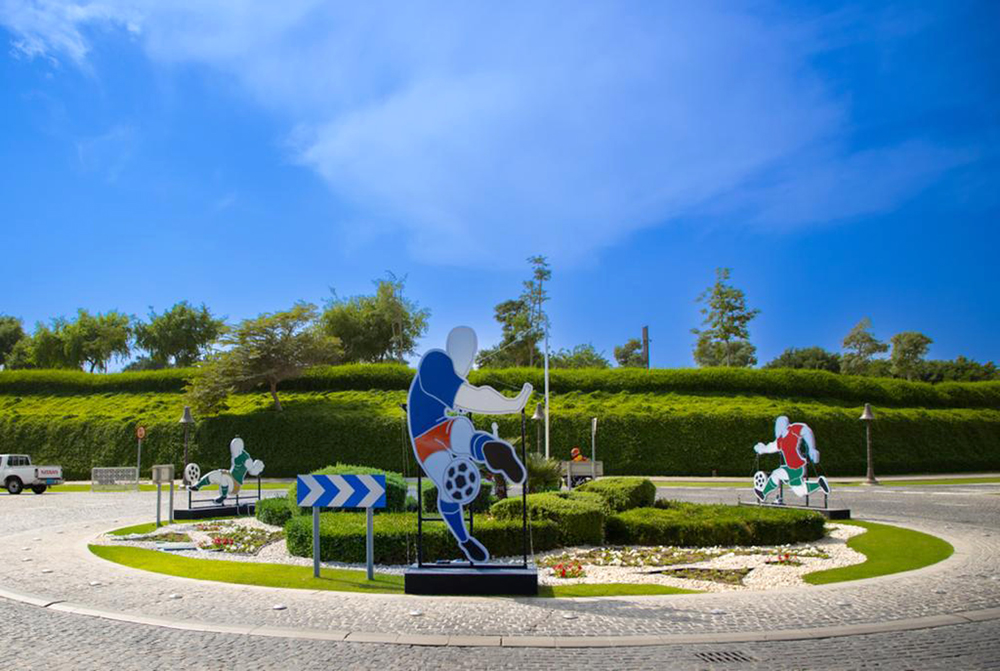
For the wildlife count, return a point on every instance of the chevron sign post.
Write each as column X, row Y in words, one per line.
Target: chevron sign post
column 342, row 491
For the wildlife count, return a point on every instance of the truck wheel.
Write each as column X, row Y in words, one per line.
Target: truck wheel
column 39, row 489
column 14, row 485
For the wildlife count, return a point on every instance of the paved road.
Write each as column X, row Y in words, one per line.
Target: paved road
column 969, row 515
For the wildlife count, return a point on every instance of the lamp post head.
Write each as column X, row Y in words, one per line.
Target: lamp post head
column 539, row 412
column 867, row 415
column 186, row 418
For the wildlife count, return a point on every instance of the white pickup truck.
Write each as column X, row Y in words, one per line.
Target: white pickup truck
column 16, row 473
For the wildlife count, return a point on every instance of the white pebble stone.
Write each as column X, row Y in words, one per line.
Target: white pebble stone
column 25, row 549
column 717, row 611
column 174, row 596
column 36, row 539
column 940, row 591
column 415, row 613
column 95, row 583
column 46, row 570
column 569, row 616
column 26, row 559
column 279, row 606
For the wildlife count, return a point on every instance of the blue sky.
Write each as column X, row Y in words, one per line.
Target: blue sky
column 842, row 159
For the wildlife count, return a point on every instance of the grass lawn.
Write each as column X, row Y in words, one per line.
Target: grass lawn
column 947, row 481
column 301, row 577
column 152, row 488
column 889, row 549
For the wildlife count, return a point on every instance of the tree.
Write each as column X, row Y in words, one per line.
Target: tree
column 629, row 355
column 516, row 348
column 48, row 349
column 581, row 356
column 376, row 328
column 11, row 332
column 96, row 339
column 534, row 297
column 725, row 341
column 523, row 322
column 814, row 358
column 266, row 350
column 959, row 370
column 737, row 353
column 860, row 347
column 178, row 337
column 908, row 351
column 21, row 355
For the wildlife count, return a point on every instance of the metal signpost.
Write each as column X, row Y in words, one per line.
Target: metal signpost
column 140, row 433
column 343, row 491
column 164, row 474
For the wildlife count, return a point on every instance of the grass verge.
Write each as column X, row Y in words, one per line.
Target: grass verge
column 301, row 577
column 888, row 549
column 152, row 488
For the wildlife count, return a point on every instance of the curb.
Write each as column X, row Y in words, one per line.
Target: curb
column 441, row 640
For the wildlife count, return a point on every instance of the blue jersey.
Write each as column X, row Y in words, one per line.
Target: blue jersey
column 432, row 392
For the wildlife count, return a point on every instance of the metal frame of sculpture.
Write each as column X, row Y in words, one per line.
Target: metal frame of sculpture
column 230, row 481
column 448, row 447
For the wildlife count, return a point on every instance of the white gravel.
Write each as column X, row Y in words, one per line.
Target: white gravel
column 763, row 576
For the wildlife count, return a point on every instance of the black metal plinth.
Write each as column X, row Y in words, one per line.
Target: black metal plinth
column 471, row 581
column 828, row 513
column 234, row 510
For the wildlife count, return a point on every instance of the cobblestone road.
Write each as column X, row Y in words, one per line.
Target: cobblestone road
column 968, row 516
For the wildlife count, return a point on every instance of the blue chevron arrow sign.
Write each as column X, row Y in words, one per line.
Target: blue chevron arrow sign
column 341, row 491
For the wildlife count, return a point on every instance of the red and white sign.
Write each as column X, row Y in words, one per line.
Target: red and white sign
column 140, row 432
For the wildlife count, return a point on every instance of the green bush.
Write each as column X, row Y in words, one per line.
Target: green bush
column 544, row 475
column 275, row 511
column 622, row 493
column 480, row 504
column 395, row 487
column 579, row 521
column 342, row 538
column 698, row 525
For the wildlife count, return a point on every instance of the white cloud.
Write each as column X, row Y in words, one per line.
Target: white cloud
column 557, row 127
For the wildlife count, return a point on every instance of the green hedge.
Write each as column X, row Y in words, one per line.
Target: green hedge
column 480, row 504
column 694, row 525
column 275, row 511
column 622, row 493
column 580, row 521
column 777, row 383
column 395, row 487
column 342, row 538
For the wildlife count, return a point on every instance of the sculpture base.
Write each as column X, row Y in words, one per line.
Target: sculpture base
column 828, row 513
column 232, row 510
column 471, row 581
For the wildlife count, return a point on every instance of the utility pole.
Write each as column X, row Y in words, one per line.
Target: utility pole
column 645, row 345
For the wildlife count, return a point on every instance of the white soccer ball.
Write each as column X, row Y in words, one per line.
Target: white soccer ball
column 461, row 480
column 759, row 480
column 192, row 473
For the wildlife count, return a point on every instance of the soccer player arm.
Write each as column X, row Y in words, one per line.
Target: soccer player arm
column 488, row 401
column 762, row 448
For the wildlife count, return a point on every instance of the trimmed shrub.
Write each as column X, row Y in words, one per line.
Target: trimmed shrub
column 395, row 487
column 275, row 511
column 480, row 504
column 342, row 538
column 622, row 493
column 699, row 525
column 580, row 522
column 544, row 475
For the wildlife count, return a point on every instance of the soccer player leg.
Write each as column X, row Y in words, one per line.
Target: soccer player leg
column 778, row 476
column 498, row 455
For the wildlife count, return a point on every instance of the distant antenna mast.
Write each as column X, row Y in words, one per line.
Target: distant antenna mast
column 645, row 345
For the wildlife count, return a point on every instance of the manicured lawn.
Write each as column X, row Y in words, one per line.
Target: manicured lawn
column 135, row 529
column 889, row 549
column 249, row 489
column 246, row 573
column 301, row 577
column 948, row 481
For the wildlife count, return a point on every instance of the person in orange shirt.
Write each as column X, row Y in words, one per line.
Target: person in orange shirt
column 576, row 456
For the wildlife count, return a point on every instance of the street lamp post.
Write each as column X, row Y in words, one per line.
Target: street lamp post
column 868, row 417
column 537, row 419
column 187, row 420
